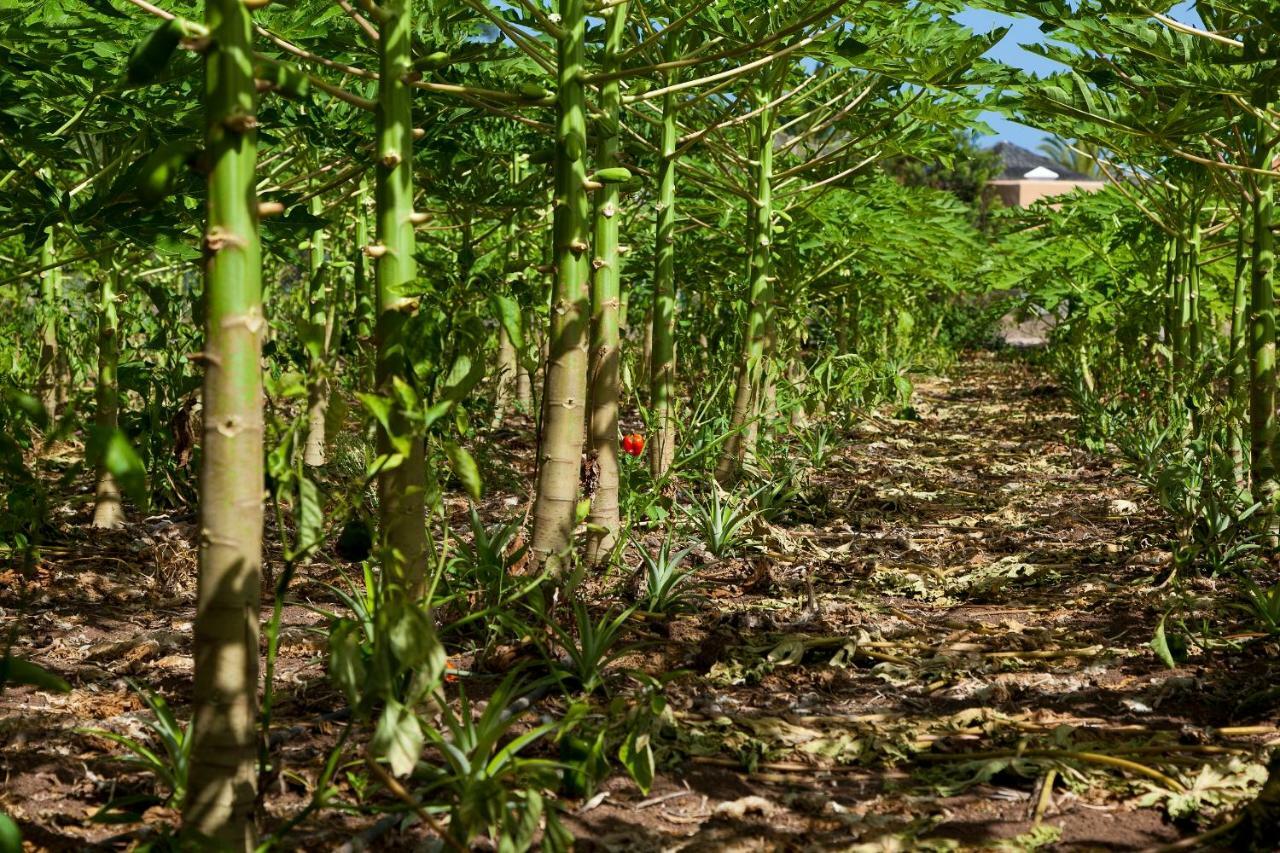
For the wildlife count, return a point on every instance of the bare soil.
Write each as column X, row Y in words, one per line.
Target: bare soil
column 943, row 644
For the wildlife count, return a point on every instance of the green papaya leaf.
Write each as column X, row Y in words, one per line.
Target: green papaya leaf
column 398, row 738
column 464, row 468
column 346, row 659
column 463, row 376
column 508, row 311
column 309, row 515
column 636, row 755
column 110, row 449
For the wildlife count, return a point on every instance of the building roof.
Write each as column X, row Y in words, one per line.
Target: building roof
column 1018, row 161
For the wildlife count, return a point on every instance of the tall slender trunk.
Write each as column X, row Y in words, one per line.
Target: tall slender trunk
column 364, row 293
column 316, row 444
column 108, row 512
column 1238, row 362
column 50, row 368
column 840, row 316
column 798, row 379
column 223, row 767
column 1180, row 309
column 853, row 321
column 401, row 490
column 1194, row 330
column 524, row 382
column 565, row 388
column 508, row 358
column 646, row 346
column 1262, row 326
column 662, row 355
column 750, row 372
column 606, row 285
column 1170, row 308
column 765, row 408
column 506, row 376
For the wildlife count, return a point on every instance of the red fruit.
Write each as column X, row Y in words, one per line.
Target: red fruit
column 626, row 444
column 637, row 441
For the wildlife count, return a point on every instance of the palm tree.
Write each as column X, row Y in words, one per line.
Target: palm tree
column 1077, row 156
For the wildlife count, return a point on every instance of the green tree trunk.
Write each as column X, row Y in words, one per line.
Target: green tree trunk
column 1238, row 362
column 1180, row 309
column 364, row 293
column 316, row 444
column 565, row 387
column 50, row 374
column 223, row 769
column 1262, row 329
column 798, row 379
column 605, row 305
column 750, row 373
column 505, row 377
column 662, row 354
column 401, row 492
column 1194, row 331
column 108, row 512
column 1171, row 308
column 508, row 358
column 765, row 409
column 524, row 382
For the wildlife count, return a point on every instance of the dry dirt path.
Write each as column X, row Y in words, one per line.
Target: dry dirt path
column 979, row 616
column 944, row 640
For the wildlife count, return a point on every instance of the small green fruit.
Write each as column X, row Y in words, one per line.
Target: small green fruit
column 161, row 170
column 613, row 175
column 289, row 80
column 153, row 53
column 544, row 155
column 534, row 91
column 438, row 59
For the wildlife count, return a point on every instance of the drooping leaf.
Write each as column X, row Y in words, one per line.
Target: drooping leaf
column 464, row 468
column 398, row 738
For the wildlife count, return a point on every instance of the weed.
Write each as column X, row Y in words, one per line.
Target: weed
column 489, row 787
column 668, row 587
column 168, row 765
column 721, row 522
column 590, row 647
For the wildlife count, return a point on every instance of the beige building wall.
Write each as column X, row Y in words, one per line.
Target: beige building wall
column 1025, row 193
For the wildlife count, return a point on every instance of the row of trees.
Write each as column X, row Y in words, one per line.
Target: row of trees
column 1172, row 267
column 366, row 208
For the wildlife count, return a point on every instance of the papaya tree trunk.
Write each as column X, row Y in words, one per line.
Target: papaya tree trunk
column 1193, row 293
column 401, row 490
column 505, row 376
column 1180, row 308
column 1237, row 365
column 223, row 765
column 1262, row 327
column 565, row 386
column 524, row 381
column 646, row 347
column 750, row 372
column 765, row 410
column 365, row 297
column 108, row 512
column 50, row 372
column 1170, row 307
column 508, row 367
column 605, row 304
column 662, row 349
column 315, row 446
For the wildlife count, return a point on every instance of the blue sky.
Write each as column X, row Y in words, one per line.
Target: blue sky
column 1026, row 31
